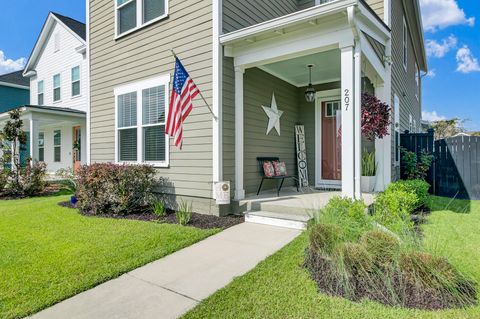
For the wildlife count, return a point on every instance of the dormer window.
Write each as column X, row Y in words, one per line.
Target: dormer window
column 134, row 14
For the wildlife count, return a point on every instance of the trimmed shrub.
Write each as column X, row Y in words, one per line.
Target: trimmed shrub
column 324, row 238
column 115, row 189
column 384, row 248
column 418, row 187
column 393, row 210
column 32, row 178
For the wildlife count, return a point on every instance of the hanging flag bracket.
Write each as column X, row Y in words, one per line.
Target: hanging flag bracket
column 200, row 92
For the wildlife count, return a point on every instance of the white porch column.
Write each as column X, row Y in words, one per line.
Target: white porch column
column 239, row 139
column 358, row 121
column 348, row 116
column 383, row 147
column 33, row 140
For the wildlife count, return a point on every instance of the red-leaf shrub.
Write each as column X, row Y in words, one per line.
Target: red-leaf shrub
column 115, row 189
column 375, row 117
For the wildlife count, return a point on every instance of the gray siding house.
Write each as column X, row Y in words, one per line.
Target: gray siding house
column 240, row 54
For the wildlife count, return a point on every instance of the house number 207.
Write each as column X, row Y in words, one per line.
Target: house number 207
column 346, row 99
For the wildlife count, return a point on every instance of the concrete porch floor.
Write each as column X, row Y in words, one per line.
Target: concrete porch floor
column 291, row 209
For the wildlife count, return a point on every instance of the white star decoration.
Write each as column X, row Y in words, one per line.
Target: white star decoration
column 274, row 115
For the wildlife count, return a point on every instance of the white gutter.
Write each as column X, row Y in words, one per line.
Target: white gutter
column 17, row 86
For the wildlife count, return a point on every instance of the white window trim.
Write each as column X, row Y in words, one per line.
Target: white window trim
column 396, row 124
column 43, row 92
column 59, row 145
column 417, row 81
column 79, row 80
column 58, row 87
column 41, row 147
column 140, row 24
column 405, row 45
column 138, row 87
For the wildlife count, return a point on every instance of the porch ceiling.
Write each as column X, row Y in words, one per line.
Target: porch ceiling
column 295, row 71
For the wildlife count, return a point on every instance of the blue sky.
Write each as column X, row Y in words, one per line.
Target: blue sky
column 452, row 34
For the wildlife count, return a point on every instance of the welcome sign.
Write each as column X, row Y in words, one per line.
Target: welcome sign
column 301, row 156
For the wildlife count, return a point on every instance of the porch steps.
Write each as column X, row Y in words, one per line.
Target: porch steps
column 279, row 219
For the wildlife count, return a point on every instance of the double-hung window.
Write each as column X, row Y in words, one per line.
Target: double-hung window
column 57, row 95
column 141, row 110
column 133, row 14
column 76, row 81
column 417, row 81
column 57, row 146
column 396, row 111
column 405, row 44
column 41, row 146
column 40, row 92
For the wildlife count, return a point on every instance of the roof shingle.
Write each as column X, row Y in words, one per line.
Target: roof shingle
column 76, row 26
column 15, row 78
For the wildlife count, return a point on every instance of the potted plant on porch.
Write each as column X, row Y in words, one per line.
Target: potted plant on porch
column 369, row 171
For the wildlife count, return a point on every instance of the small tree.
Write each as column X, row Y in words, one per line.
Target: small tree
column 13, row 137
column 448, row 128
column 375, row 117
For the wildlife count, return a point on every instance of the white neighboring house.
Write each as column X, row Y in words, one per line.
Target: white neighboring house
column 56, row 119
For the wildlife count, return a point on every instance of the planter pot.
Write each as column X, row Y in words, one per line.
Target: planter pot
column 368, row 184
column 73, row 200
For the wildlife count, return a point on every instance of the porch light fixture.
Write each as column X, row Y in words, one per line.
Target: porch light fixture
column 310, row 92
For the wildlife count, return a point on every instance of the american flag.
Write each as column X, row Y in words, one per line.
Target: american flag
column 183, row 92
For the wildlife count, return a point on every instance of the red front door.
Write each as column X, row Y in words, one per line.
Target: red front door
column 77, row 148
column 331, row 141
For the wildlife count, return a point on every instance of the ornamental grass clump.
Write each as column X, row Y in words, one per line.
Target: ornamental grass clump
column 352, row 256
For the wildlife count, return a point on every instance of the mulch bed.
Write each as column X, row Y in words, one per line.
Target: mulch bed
column 198, row 220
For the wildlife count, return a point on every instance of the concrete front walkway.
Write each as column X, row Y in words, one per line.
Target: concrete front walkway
column 169, row 287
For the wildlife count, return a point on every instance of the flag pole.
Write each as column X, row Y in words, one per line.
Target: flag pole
column 200, row 92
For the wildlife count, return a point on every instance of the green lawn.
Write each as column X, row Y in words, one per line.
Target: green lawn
column 280, row 288
column 49, row 253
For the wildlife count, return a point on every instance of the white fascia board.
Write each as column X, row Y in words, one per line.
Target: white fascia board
column 288, row 20
column 373, row 58
column 12, row 85
column 373, row 19
column 43, row 37
column 292, row 45
column 367, row 28
column 53, row 112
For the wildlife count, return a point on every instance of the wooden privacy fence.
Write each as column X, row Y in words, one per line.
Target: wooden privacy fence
column 456, row 168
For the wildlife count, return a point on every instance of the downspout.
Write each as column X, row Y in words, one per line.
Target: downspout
column 357, row 75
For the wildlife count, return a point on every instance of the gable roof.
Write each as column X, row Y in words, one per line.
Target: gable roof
column 76, row 28
column 15, row 79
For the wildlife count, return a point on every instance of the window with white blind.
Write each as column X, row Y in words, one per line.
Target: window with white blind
column 40, row 93
column 57, row 94
column 134, row 14
column 141, row 110
column 76, row 81
column 41, row 146
column 57, row 146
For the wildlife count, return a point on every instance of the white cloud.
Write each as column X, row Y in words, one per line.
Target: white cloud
column 432, row 73
column 467, row 63
column 440, row 14
column 9, row 65
column 440, row 49
column 432, row 116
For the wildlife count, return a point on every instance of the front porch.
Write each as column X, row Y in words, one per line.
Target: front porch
column 55, row 136
column 350, row 50
column 292, row 209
